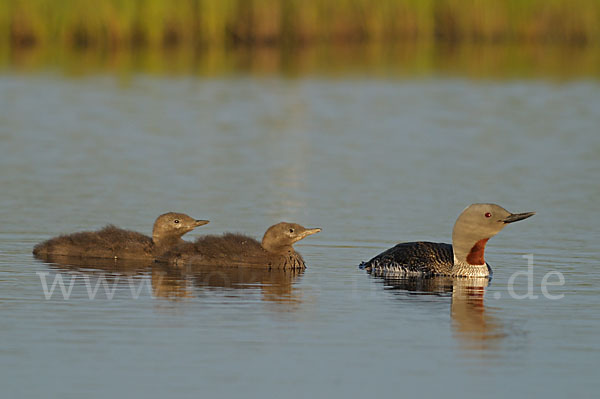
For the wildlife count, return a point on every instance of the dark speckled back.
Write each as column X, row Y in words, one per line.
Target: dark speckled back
column 413, row 258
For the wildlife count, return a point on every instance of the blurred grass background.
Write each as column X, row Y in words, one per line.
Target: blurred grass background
column 500, row 38
column 114, row 24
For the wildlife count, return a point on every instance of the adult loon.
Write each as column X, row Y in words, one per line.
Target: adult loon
column 465, row 257
column 113, row 242
column 276, row 250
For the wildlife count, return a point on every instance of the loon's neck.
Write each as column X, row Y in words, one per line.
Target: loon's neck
column 278, row 250
column 469, row 256
column 161, row 241
column 468, row 245
column 460, row 268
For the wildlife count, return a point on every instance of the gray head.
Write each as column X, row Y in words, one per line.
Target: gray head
column 171, row 226
column 477, row 224
column 280, row 237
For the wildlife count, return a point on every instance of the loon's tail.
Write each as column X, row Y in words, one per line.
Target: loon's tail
column 365, row 266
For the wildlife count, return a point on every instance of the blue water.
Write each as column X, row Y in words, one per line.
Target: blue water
column 372, row 161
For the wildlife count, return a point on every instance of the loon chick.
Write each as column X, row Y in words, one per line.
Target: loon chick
column 473, row 228
column 230, row 249
column 113, row 242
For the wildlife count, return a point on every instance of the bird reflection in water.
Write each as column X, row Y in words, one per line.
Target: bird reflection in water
column 472, row 324
column 275, row 286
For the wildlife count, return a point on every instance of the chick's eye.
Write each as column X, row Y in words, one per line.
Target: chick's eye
column 488, row 215
column 176, row 221
column 291, row 230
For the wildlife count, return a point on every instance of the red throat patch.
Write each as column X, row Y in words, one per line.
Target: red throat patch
column 475, row 256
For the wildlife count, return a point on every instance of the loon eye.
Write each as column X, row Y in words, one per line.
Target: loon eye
column 488, row 215
column 291, row 230
column 176, row 221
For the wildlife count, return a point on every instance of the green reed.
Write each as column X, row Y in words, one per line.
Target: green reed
column 162, row 23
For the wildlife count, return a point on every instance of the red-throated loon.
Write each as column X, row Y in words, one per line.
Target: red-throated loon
column 274, row 252
column 465, row 257
column 113, row 242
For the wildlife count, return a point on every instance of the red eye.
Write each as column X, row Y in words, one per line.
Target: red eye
column 488, row 215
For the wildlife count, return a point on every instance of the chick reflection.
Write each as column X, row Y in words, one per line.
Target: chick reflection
column 124, row 272
column 474, row 328
column 168, row 283
column 170, row 286
column 274, row 285
column 103, row 277
column 126, row 267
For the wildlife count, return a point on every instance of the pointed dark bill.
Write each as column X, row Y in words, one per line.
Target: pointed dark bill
column 515, row 217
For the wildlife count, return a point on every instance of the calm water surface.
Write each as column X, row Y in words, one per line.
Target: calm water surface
column 373, row 161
